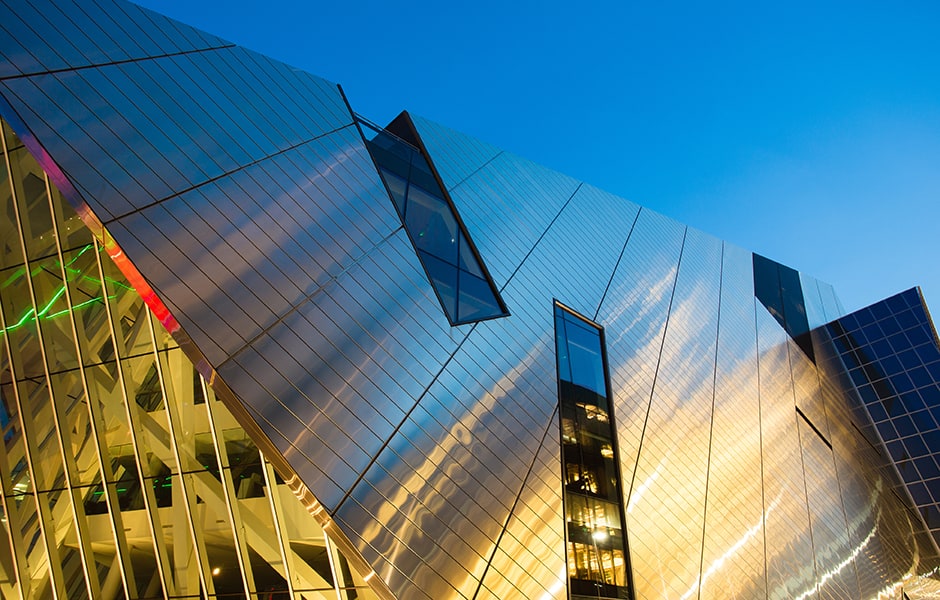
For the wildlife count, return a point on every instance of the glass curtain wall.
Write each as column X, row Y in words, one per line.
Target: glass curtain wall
column 597, row 549
column 121, row 474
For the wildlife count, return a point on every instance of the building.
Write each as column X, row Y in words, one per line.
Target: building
column 255, row 346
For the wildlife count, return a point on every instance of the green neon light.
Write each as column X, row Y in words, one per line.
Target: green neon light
column 76, row 307
column 32, row 315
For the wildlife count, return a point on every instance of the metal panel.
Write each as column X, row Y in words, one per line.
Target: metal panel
column 789, row 573
column 733, row 546
column 634, row 315
column 508, row 185
column 665, row 521
column 456, row 156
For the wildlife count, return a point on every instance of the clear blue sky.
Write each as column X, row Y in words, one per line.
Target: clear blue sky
column 806, row 131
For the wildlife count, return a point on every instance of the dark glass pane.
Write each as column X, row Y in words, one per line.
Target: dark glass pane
column 904, row 425
column 597, row 556
column 431, row 224
column 564, row 365
column 390, row 157
column 931, row 396
column 902, row 383
column 915, row 446
column 476, row 299
column 912, row 402
column 767, row 286
column 880, row 310
column 890, row 325
column 587, row 366
column 444, row 278
column 791, row 292
column 907, row 318
column 927, row 467
column 398, row 187
column 468, row 261
column 10, row 251
column 421, row 174
column 928, row 353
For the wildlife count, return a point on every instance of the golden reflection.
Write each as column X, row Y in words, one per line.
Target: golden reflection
column 838, row 568
column 425, row 488
column 557, row 587
column 740, row 543
column 637, row 495
column 593, row 413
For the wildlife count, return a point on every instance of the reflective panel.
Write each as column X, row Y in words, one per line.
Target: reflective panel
column 120, row 440
column 171, row 195
column 457, row 274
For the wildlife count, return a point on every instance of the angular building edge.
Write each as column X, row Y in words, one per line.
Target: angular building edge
column 189, row 347
column 416, row 550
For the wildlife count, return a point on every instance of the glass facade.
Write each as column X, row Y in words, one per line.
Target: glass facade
column 206, row 279
column 891, row 354
column 123, row 475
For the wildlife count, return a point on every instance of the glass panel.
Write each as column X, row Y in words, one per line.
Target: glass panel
column 11, row 252
column 431, row 224
column 220, row 550
column 421, row 173
column 53, row 310
column 26, row 528
column 433, row 227
column 476, row 299
column 29, row 184
column 72, row 231
column 398, row 187
column 20, row 318
column 80, row 447
column 584, row 357
column 130, row 313
column 444, row 278
column 245, row 464
column 468, row 262
column 45, row 452
column 59, row 512
column 88, row 308
column 597, row 566
column 392, row 154
column 767, row 286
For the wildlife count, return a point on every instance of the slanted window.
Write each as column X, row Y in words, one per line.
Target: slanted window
column 779, row 289
column 598, row 563
column 464, row 288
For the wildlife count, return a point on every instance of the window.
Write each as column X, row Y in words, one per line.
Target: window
column 465, row 290
column 779, row 289
column 598, row 565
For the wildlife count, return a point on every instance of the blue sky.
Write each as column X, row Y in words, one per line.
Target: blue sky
column 807, row 132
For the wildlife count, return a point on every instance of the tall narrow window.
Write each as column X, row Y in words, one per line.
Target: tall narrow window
column 453, row 266
column 598, row 563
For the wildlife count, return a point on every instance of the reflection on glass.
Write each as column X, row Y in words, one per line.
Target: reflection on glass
column 597, row 564
column 124, row 475
column 456, row 273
